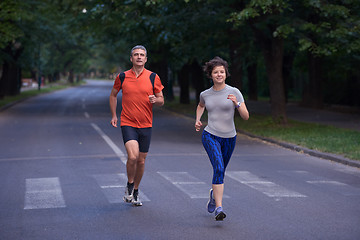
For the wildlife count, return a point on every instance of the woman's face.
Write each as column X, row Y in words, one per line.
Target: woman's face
column 218, row 74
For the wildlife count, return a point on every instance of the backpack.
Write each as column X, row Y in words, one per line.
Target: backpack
column 152, row 78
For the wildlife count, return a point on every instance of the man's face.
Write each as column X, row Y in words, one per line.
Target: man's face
column 138, row 57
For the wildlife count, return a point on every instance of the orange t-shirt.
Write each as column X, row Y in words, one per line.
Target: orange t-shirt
column 136, row 107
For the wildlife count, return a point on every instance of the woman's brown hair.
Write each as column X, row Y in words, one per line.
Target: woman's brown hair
column 215, row 62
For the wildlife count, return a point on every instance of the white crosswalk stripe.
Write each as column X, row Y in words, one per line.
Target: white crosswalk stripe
column 42, row 193
column 188, row 184
column 113, row 187
column 336, row 186
column 266, row 187
column 324, row 183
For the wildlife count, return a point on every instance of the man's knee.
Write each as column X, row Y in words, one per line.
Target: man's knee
column 132, row 159
column 141, row 160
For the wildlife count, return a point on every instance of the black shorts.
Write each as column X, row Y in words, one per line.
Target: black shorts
column 141, row 135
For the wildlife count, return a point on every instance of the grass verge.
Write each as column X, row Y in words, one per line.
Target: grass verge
column 313, row 136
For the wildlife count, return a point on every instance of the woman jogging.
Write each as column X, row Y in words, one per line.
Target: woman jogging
column 219, row 136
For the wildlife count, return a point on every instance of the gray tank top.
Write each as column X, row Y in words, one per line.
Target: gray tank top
column 220, row 110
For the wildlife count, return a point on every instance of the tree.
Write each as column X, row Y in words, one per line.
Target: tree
column 10, row 30
column 326, row 30
column 268, row 21
column 42, row 37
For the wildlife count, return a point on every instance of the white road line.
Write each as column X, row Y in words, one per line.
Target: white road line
column 42, row 193
column 86, row 115
column 188, row 184
column 335, row 183
column 266, row 187
column 57, row 157
column 113, row 187
column 113, row 146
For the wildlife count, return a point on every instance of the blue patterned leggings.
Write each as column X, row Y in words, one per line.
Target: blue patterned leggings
column 219, row 151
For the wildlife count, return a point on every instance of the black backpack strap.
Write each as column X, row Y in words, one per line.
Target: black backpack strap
column 152, row 79
column 122, row 78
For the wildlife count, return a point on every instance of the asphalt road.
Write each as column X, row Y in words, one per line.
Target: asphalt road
column 62, row 176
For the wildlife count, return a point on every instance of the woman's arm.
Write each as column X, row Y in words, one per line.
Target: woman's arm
column 244, row 113
column 199, row 112
column 242, row 109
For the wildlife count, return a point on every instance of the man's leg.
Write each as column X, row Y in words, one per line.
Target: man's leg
column 140, row 168
column 135, row 164
column 132, row 149
column 135, row 167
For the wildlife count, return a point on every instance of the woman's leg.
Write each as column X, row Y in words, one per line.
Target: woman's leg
column 218, row 191
column 227, row 149
column 213, row 149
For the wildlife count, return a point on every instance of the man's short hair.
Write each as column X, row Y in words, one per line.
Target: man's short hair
column 138, row 47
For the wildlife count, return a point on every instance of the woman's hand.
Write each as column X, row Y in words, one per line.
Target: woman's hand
column 232, row 98
column 198, row 125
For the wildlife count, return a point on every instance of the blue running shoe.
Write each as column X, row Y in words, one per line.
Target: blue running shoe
column 219, row 214
column 211, row 203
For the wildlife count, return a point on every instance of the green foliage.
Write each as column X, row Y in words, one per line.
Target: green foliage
column 283, row 31
column 10, row 13
column 330, row 29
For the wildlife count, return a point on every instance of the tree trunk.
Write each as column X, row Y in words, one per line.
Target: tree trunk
column 274, row 61
column 313, row 96
column 183, row 77
column 10, row 81
column 235, row 59
column 252, row 78
column 197, row 78
column 71, row 76
column 353, row 88
column 287, row 67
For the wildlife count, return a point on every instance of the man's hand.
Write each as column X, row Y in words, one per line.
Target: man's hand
column 152, row 99
column 113, row 121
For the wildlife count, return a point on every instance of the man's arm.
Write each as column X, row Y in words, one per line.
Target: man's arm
column 157, row 99
column 113, row 104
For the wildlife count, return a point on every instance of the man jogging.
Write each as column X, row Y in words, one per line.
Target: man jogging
column 140, row 90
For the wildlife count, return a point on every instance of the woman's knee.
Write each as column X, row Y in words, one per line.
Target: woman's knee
column 218, row 177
